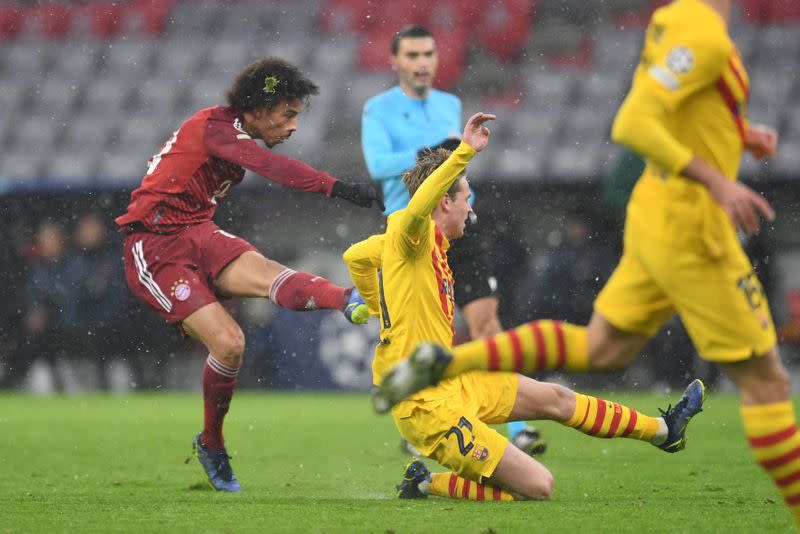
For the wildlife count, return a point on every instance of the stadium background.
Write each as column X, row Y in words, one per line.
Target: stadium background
column 90, row 90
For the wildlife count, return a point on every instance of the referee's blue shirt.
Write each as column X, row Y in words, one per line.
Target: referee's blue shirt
column 394, row 127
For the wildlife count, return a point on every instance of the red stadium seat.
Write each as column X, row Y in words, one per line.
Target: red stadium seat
column 505, row 27
column 104, row 19
column 782, row 11
column 149, row 17
column 452, row 47
column 12, row 21
column 337, row 16
column 391, row 16
column 55, row 20
column 754, row 11
column 447, row 15
column 374, row 50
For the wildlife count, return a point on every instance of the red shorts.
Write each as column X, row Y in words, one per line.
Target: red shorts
column 174, row 274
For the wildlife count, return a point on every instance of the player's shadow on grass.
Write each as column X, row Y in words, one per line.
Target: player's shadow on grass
column 200, row 486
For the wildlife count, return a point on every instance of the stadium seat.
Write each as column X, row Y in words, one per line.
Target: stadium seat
column 102, row 19
column 576, row 161
column 89, row 132
column 13, row 93
column 522, row 164
column 106, row 95
column 12, row 21
column 339, row 17
column 159, row 97
column 389, row 17
column 505, row 27
column 25, row 164
column 335, row 54
column 69, row 169
column 180, row 59
column 75, row 61
column 129, row 59
column 782, row 11
column 549, row 89
column 55, row 96
column 121, row 169
column 452, row 46
column 788, row 159
column 54, row 20
column 149, row 17
column 616, row 50
column 374, row 50
column 447, row 15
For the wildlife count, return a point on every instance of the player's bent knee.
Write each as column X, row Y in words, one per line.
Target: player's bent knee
column 230, row 346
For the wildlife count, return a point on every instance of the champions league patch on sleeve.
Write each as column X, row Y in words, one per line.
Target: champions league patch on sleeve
column 680, row 60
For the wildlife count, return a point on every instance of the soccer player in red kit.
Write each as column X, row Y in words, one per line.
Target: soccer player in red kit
column 178, row 262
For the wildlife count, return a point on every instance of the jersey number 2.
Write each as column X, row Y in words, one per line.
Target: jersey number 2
column 151, row 167
column 463, row 447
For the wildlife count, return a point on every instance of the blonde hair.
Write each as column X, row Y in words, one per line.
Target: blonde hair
column 427, row 162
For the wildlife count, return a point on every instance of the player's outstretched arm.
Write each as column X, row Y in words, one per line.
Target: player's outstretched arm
column 223, row 140
column 363, row 260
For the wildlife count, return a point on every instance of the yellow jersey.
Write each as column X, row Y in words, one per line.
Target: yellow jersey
column 403, row 274
column 688, row 98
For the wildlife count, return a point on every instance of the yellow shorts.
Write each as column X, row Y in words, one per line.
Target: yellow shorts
column 449, row 422
column 719, row 299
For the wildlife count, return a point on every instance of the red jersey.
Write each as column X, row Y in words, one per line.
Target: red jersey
column 200, row 163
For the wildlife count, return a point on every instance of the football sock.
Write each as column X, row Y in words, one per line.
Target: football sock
column 771, row 430
column 219, row 381
column 604, row 419
column 306, row 292
column 453, row 486
column 528, row 349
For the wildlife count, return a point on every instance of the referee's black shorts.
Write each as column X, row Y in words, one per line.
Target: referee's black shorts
column 471, row 271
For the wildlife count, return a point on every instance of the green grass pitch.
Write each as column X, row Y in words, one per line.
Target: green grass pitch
column 325, row 463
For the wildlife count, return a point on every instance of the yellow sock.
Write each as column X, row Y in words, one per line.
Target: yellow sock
column 771, row 430
column 604, row 419
column 453, row 486
column 528, row 349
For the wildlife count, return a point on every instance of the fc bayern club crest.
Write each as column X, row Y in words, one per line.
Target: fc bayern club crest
column 181, row 290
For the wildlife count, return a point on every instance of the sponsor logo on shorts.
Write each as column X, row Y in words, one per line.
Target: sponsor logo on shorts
column 480, row 453
column 182, row 290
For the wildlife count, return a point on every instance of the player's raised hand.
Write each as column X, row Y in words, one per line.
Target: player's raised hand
column 761, row 141
column 476, row 134
column 743, row 205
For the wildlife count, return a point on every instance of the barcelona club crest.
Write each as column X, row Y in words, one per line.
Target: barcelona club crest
column 480, row 453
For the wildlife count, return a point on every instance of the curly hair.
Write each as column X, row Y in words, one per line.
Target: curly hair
column 267, row 82
column 427, row 162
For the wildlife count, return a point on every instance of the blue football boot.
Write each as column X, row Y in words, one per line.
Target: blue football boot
column 216, row 465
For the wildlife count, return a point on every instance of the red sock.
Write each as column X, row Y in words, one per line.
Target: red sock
column 219, row 381
column 306, row 292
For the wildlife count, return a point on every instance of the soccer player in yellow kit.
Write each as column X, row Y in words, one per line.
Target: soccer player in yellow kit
column 404, row 277
column 686, row 115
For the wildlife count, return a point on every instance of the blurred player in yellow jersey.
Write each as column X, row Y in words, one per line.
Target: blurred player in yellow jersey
column 686, row 115
column 404, row 277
